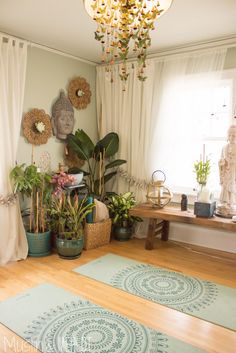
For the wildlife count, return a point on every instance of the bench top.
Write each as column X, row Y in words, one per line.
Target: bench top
column 174, row 214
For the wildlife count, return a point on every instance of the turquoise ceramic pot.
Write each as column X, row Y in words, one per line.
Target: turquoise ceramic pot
column 39, row 244
column 70, row 249
column 122, row 233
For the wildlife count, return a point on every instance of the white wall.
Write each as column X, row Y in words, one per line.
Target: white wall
column 209, row 238
column 47, row 74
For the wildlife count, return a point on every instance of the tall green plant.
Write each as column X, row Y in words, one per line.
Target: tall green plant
column 68, row 213
column 31, row 183
column 98, row 157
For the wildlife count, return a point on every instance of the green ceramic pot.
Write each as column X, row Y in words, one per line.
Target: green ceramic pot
column 69, row 248
column 39, row 244
column 122, row 233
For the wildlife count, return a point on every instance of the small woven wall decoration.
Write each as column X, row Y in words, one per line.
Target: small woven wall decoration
column 79, row 93
column 37, row 127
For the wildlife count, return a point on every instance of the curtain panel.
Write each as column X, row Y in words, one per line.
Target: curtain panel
column 148, row 115
column 127, row 113
column 13, row 58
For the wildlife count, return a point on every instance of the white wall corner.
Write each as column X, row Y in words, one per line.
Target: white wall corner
column 206, row 237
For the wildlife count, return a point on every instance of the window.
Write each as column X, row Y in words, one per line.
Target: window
column 195, row 111
column 215, row 123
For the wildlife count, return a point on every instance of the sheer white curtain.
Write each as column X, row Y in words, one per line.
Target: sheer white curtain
column 181, row 111
column 156, row 120
column 13, row 58
column 129, row 114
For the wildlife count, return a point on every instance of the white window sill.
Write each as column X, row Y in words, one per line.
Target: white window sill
column 191, row 197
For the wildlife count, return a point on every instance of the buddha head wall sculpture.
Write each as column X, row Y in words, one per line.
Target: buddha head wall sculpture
column 62, row 117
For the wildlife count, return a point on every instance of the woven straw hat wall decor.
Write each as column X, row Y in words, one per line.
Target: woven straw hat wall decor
column 79, row 93
column 37, row 126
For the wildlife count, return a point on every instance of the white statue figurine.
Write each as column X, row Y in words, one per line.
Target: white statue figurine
column 227, row 168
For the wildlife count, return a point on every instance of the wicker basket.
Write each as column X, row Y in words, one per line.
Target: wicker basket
column 97, row 234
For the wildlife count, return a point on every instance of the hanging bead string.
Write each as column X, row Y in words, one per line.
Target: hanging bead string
column 141, row 184
column 45, row 162
column 8, row 200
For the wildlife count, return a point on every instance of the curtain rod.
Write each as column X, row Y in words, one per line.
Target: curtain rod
column 8, row 36
column 226, row 42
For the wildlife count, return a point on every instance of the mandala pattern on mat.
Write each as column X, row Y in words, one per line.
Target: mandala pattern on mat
column 169, row 288
column 82, row 327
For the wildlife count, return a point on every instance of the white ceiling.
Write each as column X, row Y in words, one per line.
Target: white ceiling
column 64, row 25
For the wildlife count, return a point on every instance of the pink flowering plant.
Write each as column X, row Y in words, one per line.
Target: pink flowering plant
column 60, row 180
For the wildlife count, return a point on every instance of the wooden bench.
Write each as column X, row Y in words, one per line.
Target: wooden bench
column 159, row 221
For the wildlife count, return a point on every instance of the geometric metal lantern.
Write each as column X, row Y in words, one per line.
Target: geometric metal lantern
column 157, row 193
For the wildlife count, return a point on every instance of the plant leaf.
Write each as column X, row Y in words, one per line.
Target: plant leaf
column 109, row 144
column 75, row 170
column 85, row 140
column 108, row 176
column 115, row 163
column 78, row 148
column 81, row 144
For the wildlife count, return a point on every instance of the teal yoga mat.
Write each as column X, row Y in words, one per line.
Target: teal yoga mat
column 56, row 321
column 203, row 299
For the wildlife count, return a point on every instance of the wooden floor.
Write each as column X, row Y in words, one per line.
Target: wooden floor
column 216, row 266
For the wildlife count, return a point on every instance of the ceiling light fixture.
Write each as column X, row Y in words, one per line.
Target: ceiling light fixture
column 125, row 25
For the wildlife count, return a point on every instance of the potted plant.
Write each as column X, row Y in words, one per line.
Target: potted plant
column 202, row 169
column 36, row 186
column 119, row 206
column 98, row 158
column 69, row 213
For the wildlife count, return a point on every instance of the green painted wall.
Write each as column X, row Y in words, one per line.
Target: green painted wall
column 48, row 73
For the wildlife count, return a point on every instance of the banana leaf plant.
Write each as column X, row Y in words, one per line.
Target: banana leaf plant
column 99, row 157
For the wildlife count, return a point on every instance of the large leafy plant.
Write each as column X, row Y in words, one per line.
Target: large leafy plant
column 35, row 185
column 98, row 157
column 119, row 206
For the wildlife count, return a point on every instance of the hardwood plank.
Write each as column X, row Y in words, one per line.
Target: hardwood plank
column 196, row 261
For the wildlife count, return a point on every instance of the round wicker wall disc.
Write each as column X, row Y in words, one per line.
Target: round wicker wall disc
column 37, row 127
column 79, row 92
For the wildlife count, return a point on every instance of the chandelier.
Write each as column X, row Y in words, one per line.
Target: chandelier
column 124, row 26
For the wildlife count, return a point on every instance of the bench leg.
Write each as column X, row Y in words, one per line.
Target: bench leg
column 165, row 230
column 151, row 234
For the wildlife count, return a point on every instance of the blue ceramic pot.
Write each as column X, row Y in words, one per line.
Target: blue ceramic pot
column 69, row 248
column 122, row 233
column 39, row 244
